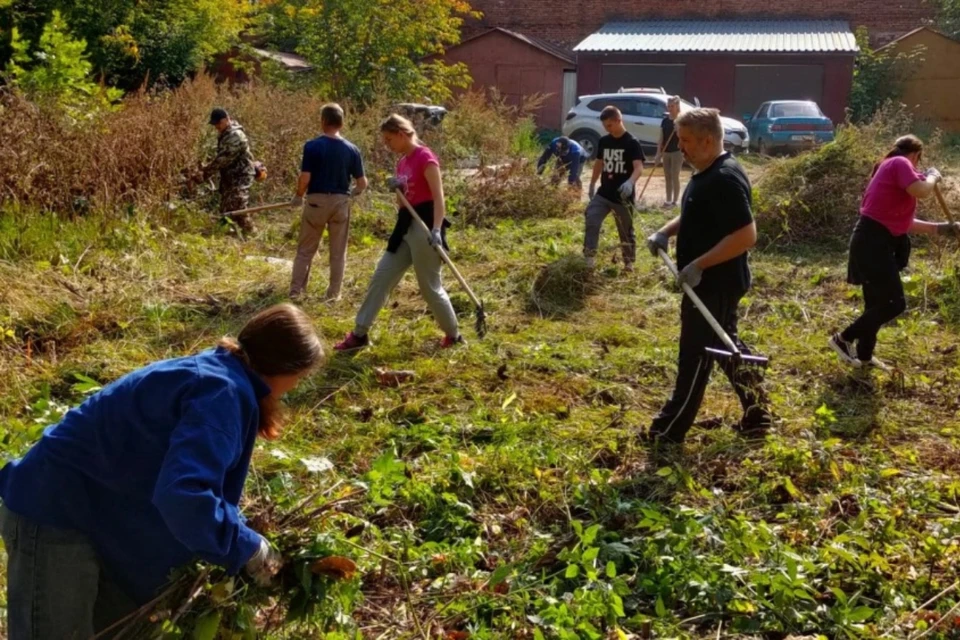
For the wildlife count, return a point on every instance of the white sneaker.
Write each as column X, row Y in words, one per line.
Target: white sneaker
column 845, row 350
column 873, row 362
column 591, row 262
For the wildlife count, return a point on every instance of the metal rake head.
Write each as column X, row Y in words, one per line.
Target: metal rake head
column 481, row 322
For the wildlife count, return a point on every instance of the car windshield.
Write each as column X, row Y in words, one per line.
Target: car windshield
column 795, row 110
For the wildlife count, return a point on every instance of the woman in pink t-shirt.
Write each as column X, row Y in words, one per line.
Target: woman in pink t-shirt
column 418, row 171
column 880, row 246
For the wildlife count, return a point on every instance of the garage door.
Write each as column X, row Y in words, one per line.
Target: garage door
column 669, row 76
column 755, row 84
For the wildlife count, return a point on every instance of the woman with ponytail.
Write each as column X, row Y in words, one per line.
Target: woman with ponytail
column 880, row 246
column 144, row 477
column 418, row 176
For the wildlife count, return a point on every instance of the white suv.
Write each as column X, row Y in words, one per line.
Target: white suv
column 642, row 114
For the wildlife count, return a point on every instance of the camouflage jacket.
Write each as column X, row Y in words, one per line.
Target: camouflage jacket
column 234, row 160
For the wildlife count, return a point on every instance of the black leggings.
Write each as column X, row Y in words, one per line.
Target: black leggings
column 876, row 258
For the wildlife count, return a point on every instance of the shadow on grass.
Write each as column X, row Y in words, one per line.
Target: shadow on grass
column 562, row 288
column 855, row 401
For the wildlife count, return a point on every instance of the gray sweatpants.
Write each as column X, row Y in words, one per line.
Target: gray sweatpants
column 414, row 250
column 672, row 164
column 596, row 213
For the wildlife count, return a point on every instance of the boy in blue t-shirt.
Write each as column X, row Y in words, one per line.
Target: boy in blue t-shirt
column 570, row 156
column 329, row 165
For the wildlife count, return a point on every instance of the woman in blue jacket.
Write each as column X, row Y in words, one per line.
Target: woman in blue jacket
column 144, row 477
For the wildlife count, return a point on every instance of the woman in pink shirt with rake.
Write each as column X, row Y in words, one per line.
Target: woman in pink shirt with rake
column 418, row 173
column 880, row 246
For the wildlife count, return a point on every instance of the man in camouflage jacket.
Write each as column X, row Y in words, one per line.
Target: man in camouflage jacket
column 235, row 164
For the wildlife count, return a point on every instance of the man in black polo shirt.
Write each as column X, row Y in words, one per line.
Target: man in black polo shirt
column 714, row 230
column 618, row 166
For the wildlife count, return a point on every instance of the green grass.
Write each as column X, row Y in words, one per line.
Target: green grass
column 505, row 494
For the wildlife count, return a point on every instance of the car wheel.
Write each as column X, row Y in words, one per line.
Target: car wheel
column 589, row 141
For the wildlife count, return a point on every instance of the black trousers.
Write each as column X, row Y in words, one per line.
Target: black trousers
column 695, row 367
column 876, row 259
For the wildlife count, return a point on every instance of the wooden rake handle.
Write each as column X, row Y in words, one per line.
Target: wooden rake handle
column 654, row 170
column 266, row 207
column 443, row 254
column 943, row 203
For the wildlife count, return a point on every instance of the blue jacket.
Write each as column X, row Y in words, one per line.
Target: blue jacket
column 151, row 469
column 573, row 159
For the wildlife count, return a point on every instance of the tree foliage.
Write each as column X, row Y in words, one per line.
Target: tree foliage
column 57, row 70
column 948, row 17
column 361, row 47
column 878, row 76
column 129, row 41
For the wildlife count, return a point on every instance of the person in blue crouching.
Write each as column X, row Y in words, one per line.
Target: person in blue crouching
column 144, row 477
column 570, row 159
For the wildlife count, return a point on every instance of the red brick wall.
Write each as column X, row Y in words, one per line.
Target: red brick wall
column 517, row 70
column 567, row 22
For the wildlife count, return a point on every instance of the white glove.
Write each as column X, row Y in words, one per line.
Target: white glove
column 931, row 172
column 264, row 564
column 626, row 190
column 436, row 239
column 394, row 183
column 592, row 191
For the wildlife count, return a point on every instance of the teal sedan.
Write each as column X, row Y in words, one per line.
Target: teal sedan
column 788, row 125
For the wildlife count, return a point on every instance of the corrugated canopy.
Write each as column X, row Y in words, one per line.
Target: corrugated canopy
column 735, row 36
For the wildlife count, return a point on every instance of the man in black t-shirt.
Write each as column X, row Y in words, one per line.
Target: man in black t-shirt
column 715, row 230
column 618, row 166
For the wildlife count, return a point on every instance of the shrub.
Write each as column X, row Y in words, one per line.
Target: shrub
column 141, row 156
column 815, row 196
column 513, row 191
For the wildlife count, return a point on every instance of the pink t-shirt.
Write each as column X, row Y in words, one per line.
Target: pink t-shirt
column 412, row 171
column 886, row 199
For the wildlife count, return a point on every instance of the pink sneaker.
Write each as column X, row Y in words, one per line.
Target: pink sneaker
column 353, row 342
column 448, row 342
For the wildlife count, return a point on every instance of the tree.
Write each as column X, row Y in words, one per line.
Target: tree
column 57, row 71
column 130, row 41
column 877, row 76
column 361, row 47
column 948, row 17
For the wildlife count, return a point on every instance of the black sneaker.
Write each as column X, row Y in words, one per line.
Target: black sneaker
column 845, row 350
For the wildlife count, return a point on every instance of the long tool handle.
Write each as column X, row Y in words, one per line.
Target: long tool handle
column 698, row 303
column 443, row 254
column 266, row 207
column 943, row 205
column 654, row 170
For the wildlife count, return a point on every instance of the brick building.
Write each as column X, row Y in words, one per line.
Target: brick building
column 567, row 22
column 807, row 49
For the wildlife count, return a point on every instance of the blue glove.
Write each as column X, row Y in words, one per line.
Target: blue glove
column 691, row 275
column 436, row 239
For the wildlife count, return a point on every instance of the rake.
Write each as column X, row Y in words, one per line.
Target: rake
column 733, row 352
column 481, row 317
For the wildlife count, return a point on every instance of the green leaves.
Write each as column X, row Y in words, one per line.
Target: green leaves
column 207, row 626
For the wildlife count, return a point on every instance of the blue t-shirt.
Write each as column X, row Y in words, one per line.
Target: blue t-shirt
column 151, row 469
column 331, row 163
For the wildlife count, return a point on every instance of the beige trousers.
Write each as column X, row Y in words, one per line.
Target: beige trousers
column 322, row 211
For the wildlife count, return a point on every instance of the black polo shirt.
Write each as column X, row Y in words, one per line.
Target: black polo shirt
column 716, row 202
